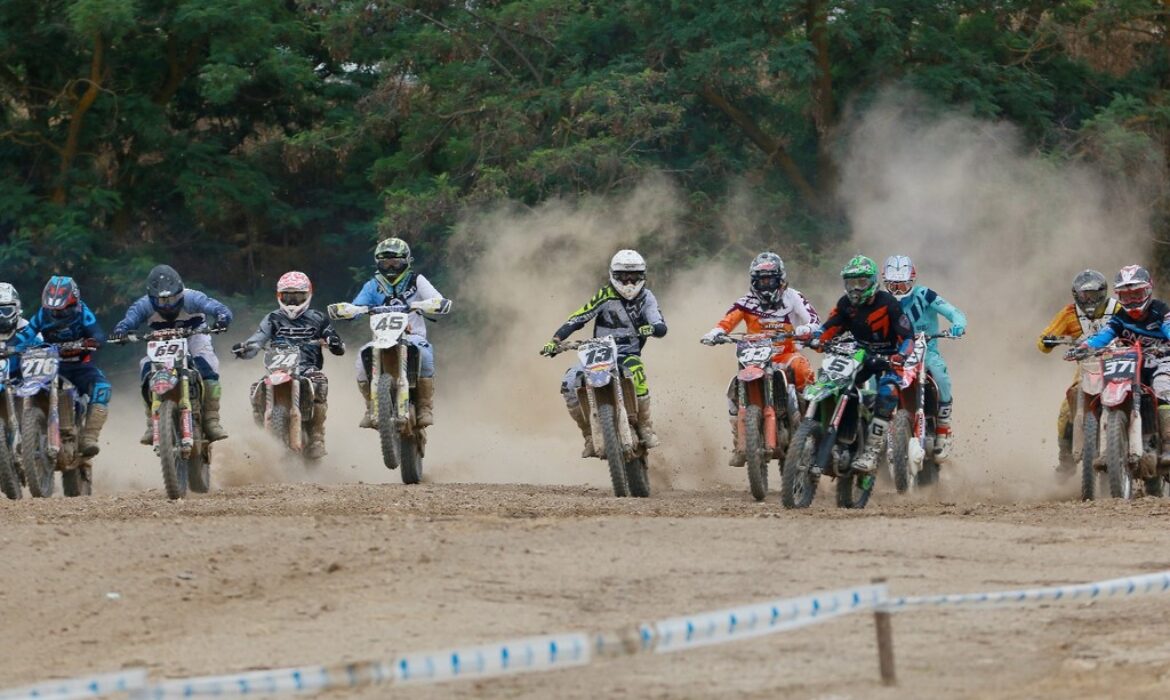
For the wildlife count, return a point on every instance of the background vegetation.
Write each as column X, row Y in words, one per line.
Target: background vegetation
column 239, row 138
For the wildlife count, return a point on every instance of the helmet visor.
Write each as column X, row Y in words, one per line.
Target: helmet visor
column 1133, row 297
column 1090, row 298
column 168, row 304
column 766, row 283
column 292, row 298
column 390, row 263
column 629, row 276
column 901, row 288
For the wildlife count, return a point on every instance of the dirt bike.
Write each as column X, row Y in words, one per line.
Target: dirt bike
column 1085, row 420
column 1132, row 440
column 833, row 432
column 607, row 388
column 394, row 368
column 287, row 395
column 52, row 420
column 912, row 428
column 768, row 411
column 176, row 409
column 11, row 474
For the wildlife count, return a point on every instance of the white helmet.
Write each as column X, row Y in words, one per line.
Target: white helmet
column 899, row 275
column 627, row 273
column 293, row 293
column 9, row 310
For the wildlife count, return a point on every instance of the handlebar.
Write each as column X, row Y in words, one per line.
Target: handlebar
column 166, row 334
column 567, row 345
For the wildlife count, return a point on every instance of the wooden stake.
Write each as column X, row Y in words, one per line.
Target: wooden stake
column 885, row 642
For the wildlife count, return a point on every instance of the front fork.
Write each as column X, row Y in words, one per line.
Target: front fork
column 620, row 414
column 402, row 382
column 295, row 439
column 14, row 423
column 1078, row 420
column 54, row 421
column 770, row 439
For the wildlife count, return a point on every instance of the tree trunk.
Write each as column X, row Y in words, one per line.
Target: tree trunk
column 822, row 95
column 77, row 119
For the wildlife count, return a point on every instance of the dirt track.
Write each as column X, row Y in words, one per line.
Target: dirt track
column 272, row 575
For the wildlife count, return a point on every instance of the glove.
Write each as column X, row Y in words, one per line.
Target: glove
column 802, row 331
column 646, row 330
column 221, row 322
column 1079, row 352
column 239, row 349
column 336, row 344
column 897, row 359
column 550, row 348
column 712, row 335
column 958, row 330
column 117, row 336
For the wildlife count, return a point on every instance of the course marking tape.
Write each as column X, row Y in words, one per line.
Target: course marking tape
column 86, row 687
column 1113, row 588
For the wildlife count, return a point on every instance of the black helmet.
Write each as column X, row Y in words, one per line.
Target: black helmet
column 165, row 289
column 768, row 278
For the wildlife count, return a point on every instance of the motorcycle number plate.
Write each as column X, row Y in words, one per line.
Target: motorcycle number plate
column 754, row 354
column 283, row 359
column 167, row 352
column 388, row 328
column 597, row 357
column 39, row 364
column 839, row 367
column 1121, row 366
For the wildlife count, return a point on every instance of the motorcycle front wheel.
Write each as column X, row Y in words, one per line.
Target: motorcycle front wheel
column 1089, row 477
column 387, row 426
column 1116, row 457
column 174, row 466
column 613, row 450
column 9, row 479
column 798, row 485
column 757, row 457
column 901, row 435
column 34, row 451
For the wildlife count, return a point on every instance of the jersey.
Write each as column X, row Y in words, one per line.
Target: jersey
column 1153, row 326
column 43, row 328
column 379, row 292
column 196, row 309
column 923, row 307
column 793, row 310
column 617, row 316
column 311, row 325
column 1072, row 322
column 880, row 326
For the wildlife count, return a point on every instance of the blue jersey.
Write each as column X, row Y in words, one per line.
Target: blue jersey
column 196, row 309
column 1153, row 325
column 923, row 306
column 43, row 328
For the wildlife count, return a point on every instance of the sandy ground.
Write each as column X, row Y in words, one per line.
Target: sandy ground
column 283, row 574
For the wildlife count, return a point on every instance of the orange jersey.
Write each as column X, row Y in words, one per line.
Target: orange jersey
column 793, row 310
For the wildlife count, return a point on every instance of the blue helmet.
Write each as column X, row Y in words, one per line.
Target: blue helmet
column 61, row 296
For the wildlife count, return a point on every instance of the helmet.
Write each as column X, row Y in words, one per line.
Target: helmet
column 860, row 275
column 165, row 289
column 393, row 258
column 768, row 277
column 1090, row 293
column 293, row 292
column 627, row 273
column 899, row 275
column 1134, row 289
column 60, row 296
column 9, row 310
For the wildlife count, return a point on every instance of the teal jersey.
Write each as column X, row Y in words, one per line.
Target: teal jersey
column 923, row 306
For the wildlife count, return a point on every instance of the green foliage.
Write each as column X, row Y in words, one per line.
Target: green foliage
column 239, row 138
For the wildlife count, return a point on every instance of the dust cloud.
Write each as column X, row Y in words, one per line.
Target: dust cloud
column 1000, row 232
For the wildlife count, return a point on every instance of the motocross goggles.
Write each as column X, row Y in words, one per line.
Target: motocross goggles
column 1090, row 298
column 1134, row 297
column 292, row 298
column 9, row 312
column 857, row 284
column 629, row 276
column 63, row 313
column 391, row 263
column 899, row 289
column 766, row 283
column 168, row 305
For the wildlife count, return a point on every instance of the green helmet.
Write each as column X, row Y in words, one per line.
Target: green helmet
column 393, row 258
column 861, row 279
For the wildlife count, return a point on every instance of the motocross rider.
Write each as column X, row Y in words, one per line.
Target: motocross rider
column 167, row 305
column 923, row 306
column 1147, row 320
column 396, row 281
column 876, row 321
column 62, row 318
column 625, row 309
column 1089, row 311
column 296, row 323
column 11, row 321
column 770, row 306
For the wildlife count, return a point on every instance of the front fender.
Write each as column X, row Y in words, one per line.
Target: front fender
column 598, row 379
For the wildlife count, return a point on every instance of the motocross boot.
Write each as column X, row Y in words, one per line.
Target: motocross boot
column 95, row 418
column 425, row 402
column 942, row 433
column 1164, row 434
column 148, row 437
column 738, row 458
column 212, row 430
column 874, row 444
column 646, row 423
column 577, row 412
column 367, row 419
column 316, row 448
